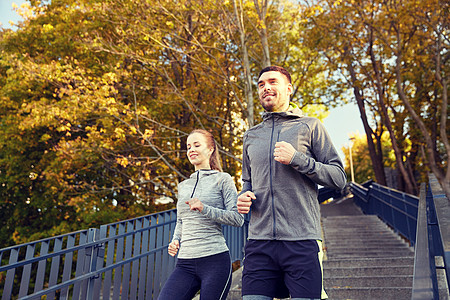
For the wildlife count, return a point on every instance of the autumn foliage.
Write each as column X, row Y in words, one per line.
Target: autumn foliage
column 97, row 97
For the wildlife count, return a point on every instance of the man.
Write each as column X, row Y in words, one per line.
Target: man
column 285, row 158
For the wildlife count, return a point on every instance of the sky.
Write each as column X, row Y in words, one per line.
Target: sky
column 7, row 13
column 340, row 123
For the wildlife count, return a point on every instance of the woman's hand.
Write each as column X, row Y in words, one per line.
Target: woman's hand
column 173, row 247
column 195, row 204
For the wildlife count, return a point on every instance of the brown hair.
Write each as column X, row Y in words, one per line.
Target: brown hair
column 214, row 159
column 277, row 69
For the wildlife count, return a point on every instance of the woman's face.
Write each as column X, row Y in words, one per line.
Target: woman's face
column 198, row 151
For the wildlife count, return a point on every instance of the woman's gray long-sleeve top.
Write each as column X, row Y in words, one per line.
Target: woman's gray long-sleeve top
column 200, row 233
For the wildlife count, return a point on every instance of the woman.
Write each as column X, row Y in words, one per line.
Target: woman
column 205, row 201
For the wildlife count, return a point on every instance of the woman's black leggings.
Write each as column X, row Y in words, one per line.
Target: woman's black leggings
column 211, row 275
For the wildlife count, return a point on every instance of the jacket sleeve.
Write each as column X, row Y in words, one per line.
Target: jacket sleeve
column 178, row 230
column 178, row 227
column 246, row 171
column 325, row 167
column 229, row 215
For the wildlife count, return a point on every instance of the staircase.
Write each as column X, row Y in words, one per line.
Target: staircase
column 363, row 257
column 365, row 260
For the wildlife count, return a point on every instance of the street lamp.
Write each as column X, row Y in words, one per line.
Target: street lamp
column 351, row 159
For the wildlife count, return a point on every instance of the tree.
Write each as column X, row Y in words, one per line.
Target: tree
column 97, row 99
column 393, row 54
column 362, row 168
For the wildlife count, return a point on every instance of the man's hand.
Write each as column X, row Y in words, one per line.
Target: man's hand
column 283, row 152
column 173, row 247
column 244, row 202
column 195, row 204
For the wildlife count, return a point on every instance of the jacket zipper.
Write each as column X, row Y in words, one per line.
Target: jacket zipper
column 195, row 186
column 271, row 160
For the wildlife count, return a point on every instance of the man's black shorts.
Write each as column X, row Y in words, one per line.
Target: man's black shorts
column 281, row 269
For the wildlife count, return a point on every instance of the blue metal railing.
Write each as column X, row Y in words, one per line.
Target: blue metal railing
column 123, row 260
column 129, row 259
column 424, row 221
column 85, row 264
column 432, row 252
column 126, row 260
column 397, row 209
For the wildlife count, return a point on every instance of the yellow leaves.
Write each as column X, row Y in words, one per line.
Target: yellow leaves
column 16, row 237
column 25, row 10
column 47, row 27
column 337, row 3
column 123, row 161
column 120, row 133
column 65, row 127
column 318, row 9
column 45, row 137
column 170, row 24
column 109, row 78
column 148, row 133
column 110, row 101
column 76, row 201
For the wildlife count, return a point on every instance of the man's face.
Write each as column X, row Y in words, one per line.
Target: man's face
column 274, row 91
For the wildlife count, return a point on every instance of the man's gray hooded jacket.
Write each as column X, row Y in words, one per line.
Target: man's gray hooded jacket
column 286, row 205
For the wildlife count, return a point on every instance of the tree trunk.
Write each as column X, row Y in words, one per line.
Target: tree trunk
column 246, row 63
column 442, row 176
column 387, row 122
column 262, row 12
column 377, row 160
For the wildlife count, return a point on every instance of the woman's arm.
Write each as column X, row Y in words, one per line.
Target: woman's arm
column 229, row 215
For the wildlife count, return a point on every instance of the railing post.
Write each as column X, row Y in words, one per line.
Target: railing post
column 94, row 253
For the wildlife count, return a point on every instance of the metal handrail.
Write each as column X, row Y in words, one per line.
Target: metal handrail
column 396, row 208
column 126, row 259
column 433, row 243
column 422, row 283
column 424, row 221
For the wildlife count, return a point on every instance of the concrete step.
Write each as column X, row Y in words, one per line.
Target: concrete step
column 367, row 254
column 367, row 262
column 234, row 294
column 370, row 252
column 369, row 246
column 379, row 233
column 368, row 271
column 371, row 293
column 365, row 259
column 369, row 281
column 367, row 241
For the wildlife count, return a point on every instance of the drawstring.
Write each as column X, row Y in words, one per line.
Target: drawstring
column 193, row 191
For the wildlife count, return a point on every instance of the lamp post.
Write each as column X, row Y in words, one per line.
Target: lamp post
column 351, row 159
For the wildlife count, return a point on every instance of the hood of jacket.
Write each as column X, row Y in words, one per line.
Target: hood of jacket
column 293, row 112
column 202, row 173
